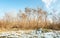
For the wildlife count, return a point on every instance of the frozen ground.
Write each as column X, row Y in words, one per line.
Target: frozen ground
column 30, row 34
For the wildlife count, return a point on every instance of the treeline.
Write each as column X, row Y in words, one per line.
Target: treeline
column 29, row 19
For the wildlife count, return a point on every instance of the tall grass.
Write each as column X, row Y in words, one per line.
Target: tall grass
column 26, row 21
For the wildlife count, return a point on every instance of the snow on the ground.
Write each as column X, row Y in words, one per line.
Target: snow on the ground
column 30, row 34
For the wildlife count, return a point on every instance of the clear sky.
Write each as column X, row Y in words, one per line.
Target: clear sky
column 8, row 5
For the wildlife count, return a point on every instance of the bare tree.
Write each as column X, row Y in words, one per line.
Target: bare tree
column 40, row 15
column 18, row 15
column 45, row 19
column 23, row 16
column 28, row 12
column 34, row 14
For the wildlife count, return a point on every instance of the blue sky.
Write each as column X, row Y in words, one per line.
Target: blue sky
column 9, row 5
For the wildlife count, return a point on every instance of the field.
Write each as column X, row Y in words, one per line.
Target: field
column 42, row 33
column 29, row 24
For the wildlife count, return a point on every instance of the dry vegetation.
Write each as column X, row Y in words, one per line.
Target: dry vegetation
column 30, row 19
